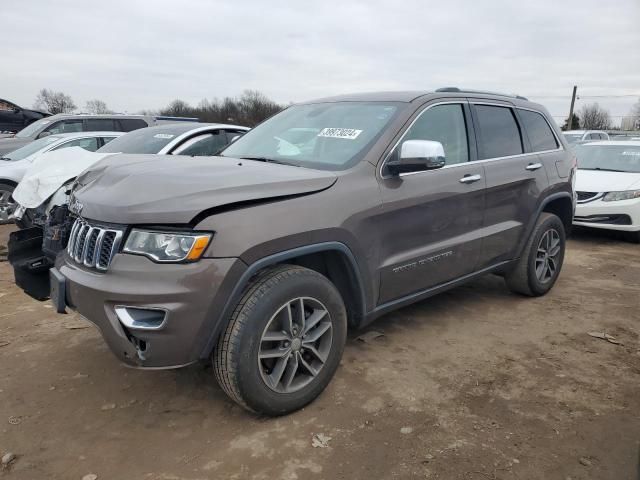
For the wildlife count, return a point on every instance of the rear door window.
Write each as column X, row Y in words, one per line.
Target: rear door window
column 100, row 125
column 540, row 135
column 202, row 145
column 499, row 132
column 234, row 134
column 90, row 144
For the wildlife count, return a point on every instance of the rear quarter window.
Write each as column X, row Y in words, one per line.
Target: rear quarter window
column 499, row 132
column 538, row 131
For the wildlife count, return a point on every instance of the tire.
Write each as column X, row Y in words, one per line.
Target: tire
column 259, row 340
column 525, row 278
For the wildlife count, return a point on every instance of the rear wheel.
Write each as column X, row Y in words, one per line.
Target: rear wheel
column 7, row 203
column 284, row 341
column 539, row 266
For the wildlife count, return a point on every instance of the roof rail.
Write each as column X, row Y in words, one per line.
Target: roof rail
column 177, row 119
column 458, row 90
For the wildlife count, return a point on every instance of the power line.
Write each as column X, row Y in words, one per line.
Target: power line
column 637, row 95
column 612, row 116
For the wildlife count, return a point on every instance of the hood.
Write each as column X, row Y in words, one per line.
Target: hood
column 50, row 171
column 13, row 143
column 602, row 181
column 167, row 189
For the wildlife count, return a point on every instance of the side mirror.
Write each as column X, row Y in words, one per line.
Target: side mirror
column 44, row 134
column 235, row 138
column 417, row 155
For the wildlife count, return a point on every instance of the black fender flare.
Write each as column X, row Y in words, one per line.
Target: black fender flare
column 274, row 259
column 548, row 199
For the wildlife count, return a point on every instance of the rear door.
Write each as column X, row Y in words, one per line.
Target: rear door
column 430, row 228
column 515, row 177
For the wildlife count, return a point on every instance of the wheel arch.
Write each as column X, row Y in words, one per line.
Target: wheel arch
column 560, row 204
column 333, row 259
column 7, row 181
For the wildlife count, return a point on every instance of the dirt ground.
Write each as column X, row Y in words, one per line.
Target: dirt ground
column 476, row 383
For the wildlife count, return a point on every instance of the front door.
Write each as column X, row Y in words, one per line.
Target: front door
column 431, row 223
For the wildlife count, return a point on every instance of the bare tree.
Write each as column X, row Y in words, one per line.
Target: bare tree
column 635, row 115
column 178, row 108
column 594, row 117
column 251, row 108
column 54, row 102
column 96, row 107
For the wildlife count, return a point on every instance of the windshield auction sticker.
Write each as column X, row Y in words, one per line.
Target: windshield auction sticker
column 347, row 133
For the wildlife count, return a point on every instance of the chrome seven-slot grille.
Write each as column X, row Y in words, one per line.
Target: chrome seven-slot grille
column 93, row 245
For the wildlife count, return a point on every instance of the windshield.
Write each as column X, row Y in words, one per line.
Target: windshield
column 572, row 137
column 327, row 136
column 617, row 158
column 143, row 140
column 34, row 128
column 30, row 148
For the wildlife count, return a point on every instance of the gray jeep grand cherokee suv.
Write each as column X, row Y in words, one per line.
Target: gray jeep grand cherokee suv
column 324, row 217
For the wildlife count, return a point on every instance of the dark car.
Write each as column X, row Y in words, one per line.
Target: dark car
column 322, row 218
column 14, row 118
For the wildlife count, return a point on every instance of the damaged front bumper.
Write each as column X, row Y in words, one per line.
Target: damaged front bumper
column 150, row 315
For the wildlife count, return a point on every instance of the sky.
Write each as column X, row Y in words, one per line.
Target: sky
column 136, row 54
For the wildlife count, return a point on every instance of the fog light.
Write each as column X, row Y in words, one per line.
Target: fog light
column 136, row 318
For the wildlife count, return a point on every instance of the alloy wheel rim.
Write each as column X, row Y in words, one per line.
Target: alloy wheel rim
column 295, row 345
column 7, row 205
column 549, row 248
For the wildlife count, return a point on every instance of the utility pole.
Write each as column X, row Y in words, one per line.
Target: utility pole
column 573, row 101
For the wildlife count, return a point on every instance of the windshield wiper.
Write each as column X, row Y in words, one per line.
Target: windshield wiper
column 269, row 160
column 6, row 159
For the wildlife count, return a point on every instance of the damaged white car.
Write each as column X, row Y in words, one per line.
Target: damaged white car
column 42, row 197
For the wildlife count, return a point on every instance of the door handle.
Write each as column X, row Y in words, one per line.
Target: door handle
column 470, row 178
column 533, row 166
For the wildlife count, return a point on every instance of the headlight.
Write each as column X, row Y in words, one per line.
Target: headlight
column 617, row 196
column 167, row 246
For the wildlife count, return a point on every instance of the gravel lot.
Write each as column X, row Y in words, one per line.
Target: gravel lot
column 474, row 384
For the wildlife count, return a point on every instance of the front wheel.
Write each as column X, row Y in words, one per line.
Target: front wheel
column 539, row 266
column 283, row 342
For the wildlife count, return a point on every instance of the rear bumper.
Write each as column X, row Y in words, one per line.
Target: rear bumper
column 191, row 297
column 623, row 215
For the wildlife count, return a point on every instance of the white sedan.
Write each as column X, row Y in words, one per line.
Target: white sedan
column 13, row 165
column 608, row 186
